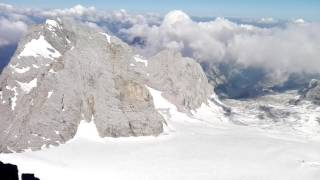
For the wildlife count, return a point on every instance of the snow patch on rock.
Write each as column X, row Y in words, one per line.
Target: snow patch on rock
column 52, row 71
column 107, row 36
column 39, row 47
column 52, row 24
column 1, row 97
column 35, row 66
column 209, row 113
column 27, row 87
column 140, row 59
column 19, row 70
column 49, row 94
column 14, row 99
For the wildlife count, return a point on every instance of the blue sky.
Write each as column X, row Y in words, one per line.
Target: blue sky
column 283, row 9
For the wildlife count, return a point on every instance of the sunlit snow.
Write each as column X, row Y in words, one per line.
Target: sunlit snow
column 27, row 87
column 139, row 59
column 107, row 36
column 14, row 99
column 190, row 149
column 19, row 70
column 52, row 24
column 35, row 66
column 1, row 97
column 39, row 47
column 52, row 71
column 49, row 94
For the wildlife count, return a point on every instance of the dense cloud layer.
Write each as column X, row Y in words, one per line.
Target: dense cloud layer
column 12, row 25
column 276, row 47
column 294, row 48
column 11, row 31
column 113, row 21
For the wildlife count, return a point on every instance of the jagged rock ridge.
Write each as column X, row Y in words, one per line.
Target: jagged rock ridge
column 312, row 92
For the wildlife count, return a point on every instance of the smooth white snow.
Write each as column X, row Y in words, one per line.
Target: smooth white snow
column 191, row 149
column 139, row 59
column 27, row 87
column 39, row 47
column 87, row 131
column 107, row 36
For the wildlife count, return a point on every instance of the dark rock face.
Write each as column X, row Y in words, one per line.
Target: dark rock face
column 275, row 114
column 235, row 82
column 10, row 172
column 312, row 92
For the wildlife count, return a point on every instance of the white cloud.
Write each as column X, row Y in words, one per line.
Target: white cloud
column 11, row 31
column 289, row 50
column 268, row 20
column 280, row 49
column 299, row 21
column 294, row 48
column 77, row 10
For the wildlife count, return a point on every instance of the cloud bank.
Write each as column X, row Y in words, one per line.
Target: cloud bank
column 279, row 48
column 293, row 48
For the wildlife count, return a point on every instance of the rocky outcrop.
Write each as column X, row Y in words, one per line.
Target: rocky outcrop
column 181, row 79
column 312, row 92
column 269, row 112
column 10, row 172
column 63, row 72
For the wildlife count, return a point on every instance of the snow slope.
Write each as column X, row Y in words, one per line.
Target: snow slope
column 39, row 47
column 190, row 148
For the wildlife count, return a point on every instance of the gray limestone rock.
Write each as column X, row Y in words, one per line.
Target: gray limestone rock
column 312, row 92
column 181, row 80
column 63, row 72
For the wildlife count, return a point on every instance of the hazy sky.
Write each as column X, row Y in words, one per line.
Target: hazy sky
column 284, row 9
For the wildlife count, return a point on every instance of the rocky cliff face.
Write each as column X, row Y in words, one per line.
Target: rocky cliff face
column 181, row 79
column 63, row 73
column 312, row 92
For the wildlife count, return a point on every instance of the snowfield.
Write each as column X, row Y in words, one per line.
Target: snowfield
column 189, row 149
column 39, row 47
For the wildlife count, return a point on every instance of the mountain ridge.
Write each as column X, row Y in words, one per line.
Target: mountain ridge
column 63, row 72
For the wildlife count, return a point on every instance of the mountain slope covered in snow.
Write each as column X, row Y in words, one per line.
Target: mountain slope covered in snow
column 190, row 148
